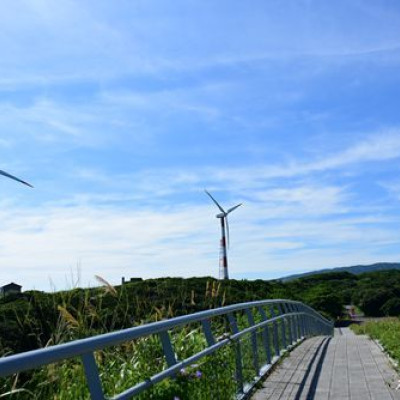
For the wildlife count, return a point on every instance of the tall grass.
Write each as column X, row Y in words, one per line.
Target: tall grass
column 81, row 314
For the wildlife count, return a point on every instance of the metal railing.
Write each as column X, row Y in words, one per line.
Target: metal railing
column 259, row 333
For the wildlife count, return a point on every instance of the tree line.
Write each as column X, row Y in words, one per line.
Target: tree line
column 36, row 319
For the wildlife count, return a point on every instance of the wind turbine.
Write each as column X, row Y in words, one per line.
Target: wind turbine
column 15, row 178
column 223, row 216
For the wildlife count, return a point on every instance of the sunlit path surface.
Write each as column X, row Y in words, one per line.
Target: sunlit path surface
column 346, row 366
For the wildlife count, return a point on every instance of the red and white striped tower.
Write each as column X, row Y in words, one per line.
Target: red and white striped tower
column 223, row 257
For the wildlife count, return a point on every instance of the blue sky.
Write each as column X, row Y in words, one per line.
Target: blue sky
column 121, row 113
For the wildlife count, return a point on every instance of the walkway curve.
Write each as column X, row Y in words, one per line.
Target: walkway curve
column 345, row 367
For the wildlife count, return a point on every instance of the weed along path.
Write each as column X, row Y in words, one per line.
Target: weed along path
column 345, row 367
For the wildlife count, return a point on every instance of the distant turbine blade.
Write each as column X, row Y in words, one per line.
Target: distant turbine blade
column 215, row 201
column 227, row 230
column 15, row 178
column 233, row 208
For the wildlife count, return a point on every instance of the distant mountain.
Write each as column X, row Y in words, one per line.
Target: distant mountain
column 356, row 269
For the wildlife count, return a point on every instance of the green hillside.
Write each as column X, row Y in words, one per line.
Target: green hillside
column 355, row 269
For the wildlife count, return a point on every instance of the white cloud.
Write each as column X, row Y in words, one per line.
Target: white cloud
column 52, row 240
column 378, row 147
column 273, row 232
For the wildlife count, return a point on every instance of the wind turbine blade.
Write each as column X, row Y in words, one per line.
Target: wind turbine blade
column 15, row 178
column 216, row 202
column 227, row 230
column 233, row 208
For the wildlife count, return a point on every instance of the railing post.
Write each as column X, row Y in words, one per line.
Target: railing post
column 310, row 325
column 299, row 322
column 92, row 376
column 287, row 309
column 299, row 331
column 167, row 347
column 254, row 345
column 265, row 334
column 304, row 322
column 313, row 326
column 307, row 323
column 283, row 326
column 296, row 323
column 238, row 353
column 275, row 329
column 208, row 332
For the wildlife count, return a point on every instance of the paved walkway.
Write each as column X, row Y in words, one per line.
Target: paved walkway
column 345, row 367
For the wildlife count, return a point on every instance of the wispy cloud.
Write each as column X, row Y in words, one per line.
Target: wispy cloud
column 298, row 182
column 378, row 147
column 375, row 148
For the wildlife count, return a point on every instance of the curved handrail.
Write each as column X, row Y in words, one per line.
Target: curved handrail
column 295, row 320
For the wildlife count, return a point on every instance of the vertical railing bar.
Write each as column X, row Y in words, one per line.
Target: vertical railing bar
column 305, row 316
column 287, row 309
column 265, row 334
column 298, row 322
column 306, row 322
column 206, row 324
column 290, row 323
column 295, row 325
column 232, row 323
column 283, row 326
column 167, row 348
column 254, row 345
column 275, row 329
column 302, row 322
column 238, row 353
column 309, row 322
column 92, row 376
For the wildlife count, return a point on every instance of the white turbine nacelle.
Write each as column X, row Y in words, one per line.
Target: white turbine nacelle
column 220, row 215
